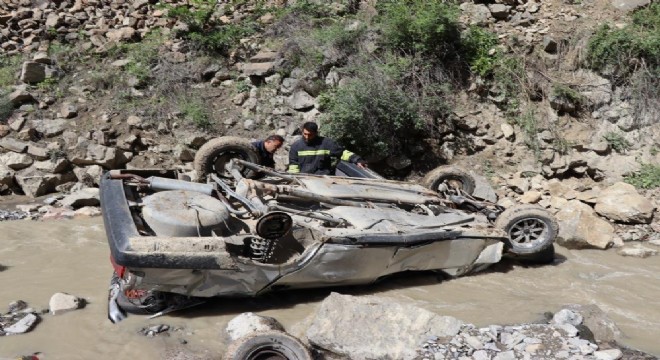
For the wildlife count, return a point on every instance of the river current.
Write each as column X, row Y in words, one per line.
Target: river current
column 40, row 258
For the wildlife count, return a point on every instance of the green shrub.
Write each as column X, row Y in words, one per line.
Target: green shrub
column 205, row 32
column 9, row 67
column 529, row 125
column 617, row 142
column 567, row 93
column 510, row 80
column 429, row 28
column 6, row 108
column 371, row 117
column 619, row 51
column 195, row 111
column 143, row 56
column 477, row 44
column 648, row 177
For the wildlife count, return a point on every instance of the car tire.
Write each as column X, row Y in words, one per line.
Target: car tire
column 530, row 229
column 453, row 176
column 274, row 345
column 545, row 256
column 212, row 156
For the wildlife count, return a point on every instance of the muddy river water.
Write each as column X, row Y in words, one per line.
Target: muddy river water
column 40, row 258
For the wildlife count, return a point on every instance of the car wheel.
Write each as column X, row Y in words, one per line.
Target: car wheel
column 545, row 256
column 530, row 229
column 267, row 345
column 212, row 157
column 452, row 177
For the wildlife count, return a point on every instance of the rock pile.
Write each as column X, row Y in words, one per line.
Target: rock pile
column 13, row 215
column 526, row 341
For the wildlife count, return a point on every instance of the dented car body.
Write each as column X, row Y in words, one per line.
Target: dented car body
column 236, row 236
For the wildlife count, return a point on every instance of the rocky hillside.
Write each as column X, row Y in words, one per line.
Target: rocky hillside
column 515, row 90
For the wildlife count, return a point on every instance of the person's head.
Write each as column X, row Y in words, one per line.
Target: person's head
column 273, row 142
column 309, row 131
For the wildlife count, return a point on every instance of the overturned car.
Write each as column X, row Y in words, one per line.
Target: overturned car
column 250, row 230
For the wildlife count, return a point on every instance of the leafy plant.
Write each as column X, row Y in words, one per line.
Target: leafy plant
column 567, row 93
column 371, row 117
column 9, row 67
column 196, row 112
column 529, row 125
column 478, row 45
column 648, row 177
column 619, row 51
column 242, row 86
column 428, row 28
column 55, row 154
column 617, row 142
column 6, row 108
column 509, row 78
column 205, row 31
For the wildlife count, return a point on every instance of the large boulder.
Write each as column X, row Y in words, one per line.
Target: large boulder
column 35, row 183
column 601, row 326
column 86, row 153
column 580, row 227
column 370, row 327
column 16, row 161
column 33, row 72
column 621, row 202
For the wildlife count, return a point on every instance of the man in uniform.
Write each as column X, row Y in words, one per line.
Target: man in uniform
column 266, row 148
column 314, row 154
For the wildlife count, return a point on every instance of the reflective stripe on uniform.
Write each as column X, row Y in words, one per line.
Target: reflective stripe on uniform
column 313, row 152
column 294, row 168
column 346, row 155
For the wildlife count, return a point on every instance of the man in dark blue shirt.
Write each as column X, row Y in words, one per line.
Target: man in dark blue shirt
column 266, row 148
column 315, row 154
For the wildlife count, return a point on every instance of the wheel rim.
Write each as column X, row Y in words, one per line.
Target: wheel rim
column 453, row 184
column 527, row 232
column 219, row 162
column 267, row 354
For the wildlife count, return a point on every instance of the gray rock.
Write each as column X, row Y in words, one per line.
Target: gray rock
column 52, row 166
column 609, row 354
column 600, row 325
column 637, row 250
column 80, row 198
column 50, row 128
column 34, row 183
column 628, row 5
column 580, row 228
column 301, row 101
column 25, row 324
column 16, row 161
column 62, row 302
column 621, row 202
column 33, row 72
column 247, row 323
column 566, row 316
column 505, row 355
column 374, row 327
column 258, row 69
column 13, row 145
column 499, row 11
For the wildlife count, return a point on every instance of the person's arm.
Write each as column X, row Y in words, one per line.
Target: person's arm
column 294, row 163
column 353, row 158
